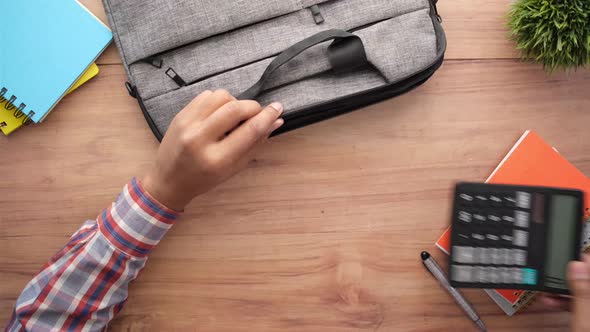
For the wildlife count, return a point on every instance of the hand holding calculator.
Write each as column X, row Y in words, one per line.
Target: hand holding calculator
column 514, row 237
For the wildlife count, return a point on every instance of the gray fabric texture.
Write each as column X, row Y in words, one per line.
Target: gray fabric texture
column 148, row 27
column 229, row 44
column 310, row 91
column 226, row 51
column 403, row 55
column 400, row 58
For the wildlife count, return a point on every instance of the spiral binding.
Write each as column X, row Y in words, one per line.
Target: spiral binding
column 2, row 93
column 18, row 111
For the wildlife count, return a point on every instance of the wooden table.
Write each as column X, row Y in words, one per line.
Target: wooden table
column 324, row 230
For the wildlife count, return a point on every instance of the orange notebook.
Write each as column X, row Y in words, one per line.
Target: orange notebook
column 530, row 162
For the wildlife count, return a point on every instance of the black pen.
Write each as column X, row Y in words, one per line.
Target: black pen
column 439, row 275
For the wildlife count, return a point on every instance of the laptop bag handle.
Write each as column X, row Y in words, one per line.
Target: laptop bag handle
column 346, row 53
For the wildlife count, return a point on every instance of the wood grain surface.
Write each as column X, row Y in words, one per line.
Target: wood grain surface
column 323, row 231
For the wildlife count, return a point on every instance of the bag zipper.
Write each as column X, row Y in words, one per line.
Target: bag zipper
column 329, row 109
column 157, row 61
column 323, row 111
column 326, row 110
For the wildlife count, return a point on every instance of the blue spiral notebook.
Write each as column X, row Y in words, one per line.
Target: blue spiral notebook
column 46, row 47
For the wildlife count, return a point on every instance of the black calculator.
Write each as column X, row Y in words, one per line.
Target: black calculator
column 514, row 237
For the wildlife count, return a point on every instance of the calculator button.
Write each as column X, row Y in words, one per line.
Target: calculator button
column 529, row 276
column 480, row 274
column 506, row 236
column 464, row 216
column 523, row 200
column 463, row 254
column 521, row 219
column 506, row 239
column 515, row 275
column 497, row 258
column 495, row 200
column 493, row 217
column 519, row 257
column 461, row 273
column 481, row 200
column 478, row 237
column 494, row 275
column 479, row 218
column 508, row 217
column 466, row 199
column 509, row 257
column 505, row 257
column 520, row 238
column 476, row 254
column 509, row 201
column 484, row 255
column 505, row 276
column 464, row 238
column 493, row 239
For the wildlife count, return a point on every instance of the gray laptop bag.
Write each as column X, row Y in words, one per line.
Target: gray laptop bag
column 320, row 58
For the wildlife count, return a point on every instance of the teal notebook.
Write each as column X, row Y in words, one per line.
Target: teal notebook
column 46, row 46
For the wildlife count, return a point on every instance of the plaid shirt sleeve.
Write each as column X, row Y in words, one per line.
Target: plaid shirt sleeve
column 85, row 284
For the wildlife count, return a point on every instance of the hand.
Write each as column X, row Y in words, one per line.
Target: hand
column 210, row 140
column 578, row 275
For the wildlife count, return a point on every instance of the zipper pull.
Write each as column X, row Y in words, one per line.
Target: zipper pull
column 131, row 89
column 175, row 77
column 154, row 61
column 317, row 14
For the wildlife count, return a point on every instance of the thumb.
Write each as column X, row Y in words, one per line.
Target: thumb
column 578, row 275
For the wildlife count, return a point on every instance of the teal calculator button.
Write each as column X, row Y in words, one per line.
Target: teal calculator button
column 529, row 276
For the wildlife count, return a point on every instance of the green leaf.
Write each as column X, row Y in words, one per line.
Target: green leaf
column 555, row 33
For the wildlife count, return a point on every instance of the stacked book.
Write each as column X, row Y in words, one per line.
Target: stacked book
column 49, row 49
column 532, row 162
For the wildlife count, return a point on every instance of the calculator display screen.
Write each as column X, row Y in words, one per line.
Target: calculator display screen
column 560, row 239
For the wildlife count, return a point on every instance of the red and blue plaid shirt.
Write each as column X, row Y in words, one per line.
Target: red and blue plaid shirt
column 85, row 284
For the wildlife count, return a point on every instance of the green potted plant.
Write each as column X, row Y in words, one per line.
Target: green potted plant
column 555, row 33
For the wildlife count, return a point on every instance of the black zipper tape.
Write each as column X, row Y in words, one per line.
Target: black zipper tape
column 327, row 110
column 150, row 121
column 135, row 94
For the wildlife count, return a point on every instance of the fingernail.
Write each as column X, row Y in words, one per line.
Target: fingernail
column 278, row 107
column 579, row 271
column 277, row 124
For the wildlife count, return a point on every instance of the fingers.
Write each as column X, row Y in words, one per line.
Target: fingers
column 278, row 124
column 203, row 106
column 245, row 137
column 194, row 105
column 578, row 274
column 246, row 158
column 230, row 115
column 556, row 302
